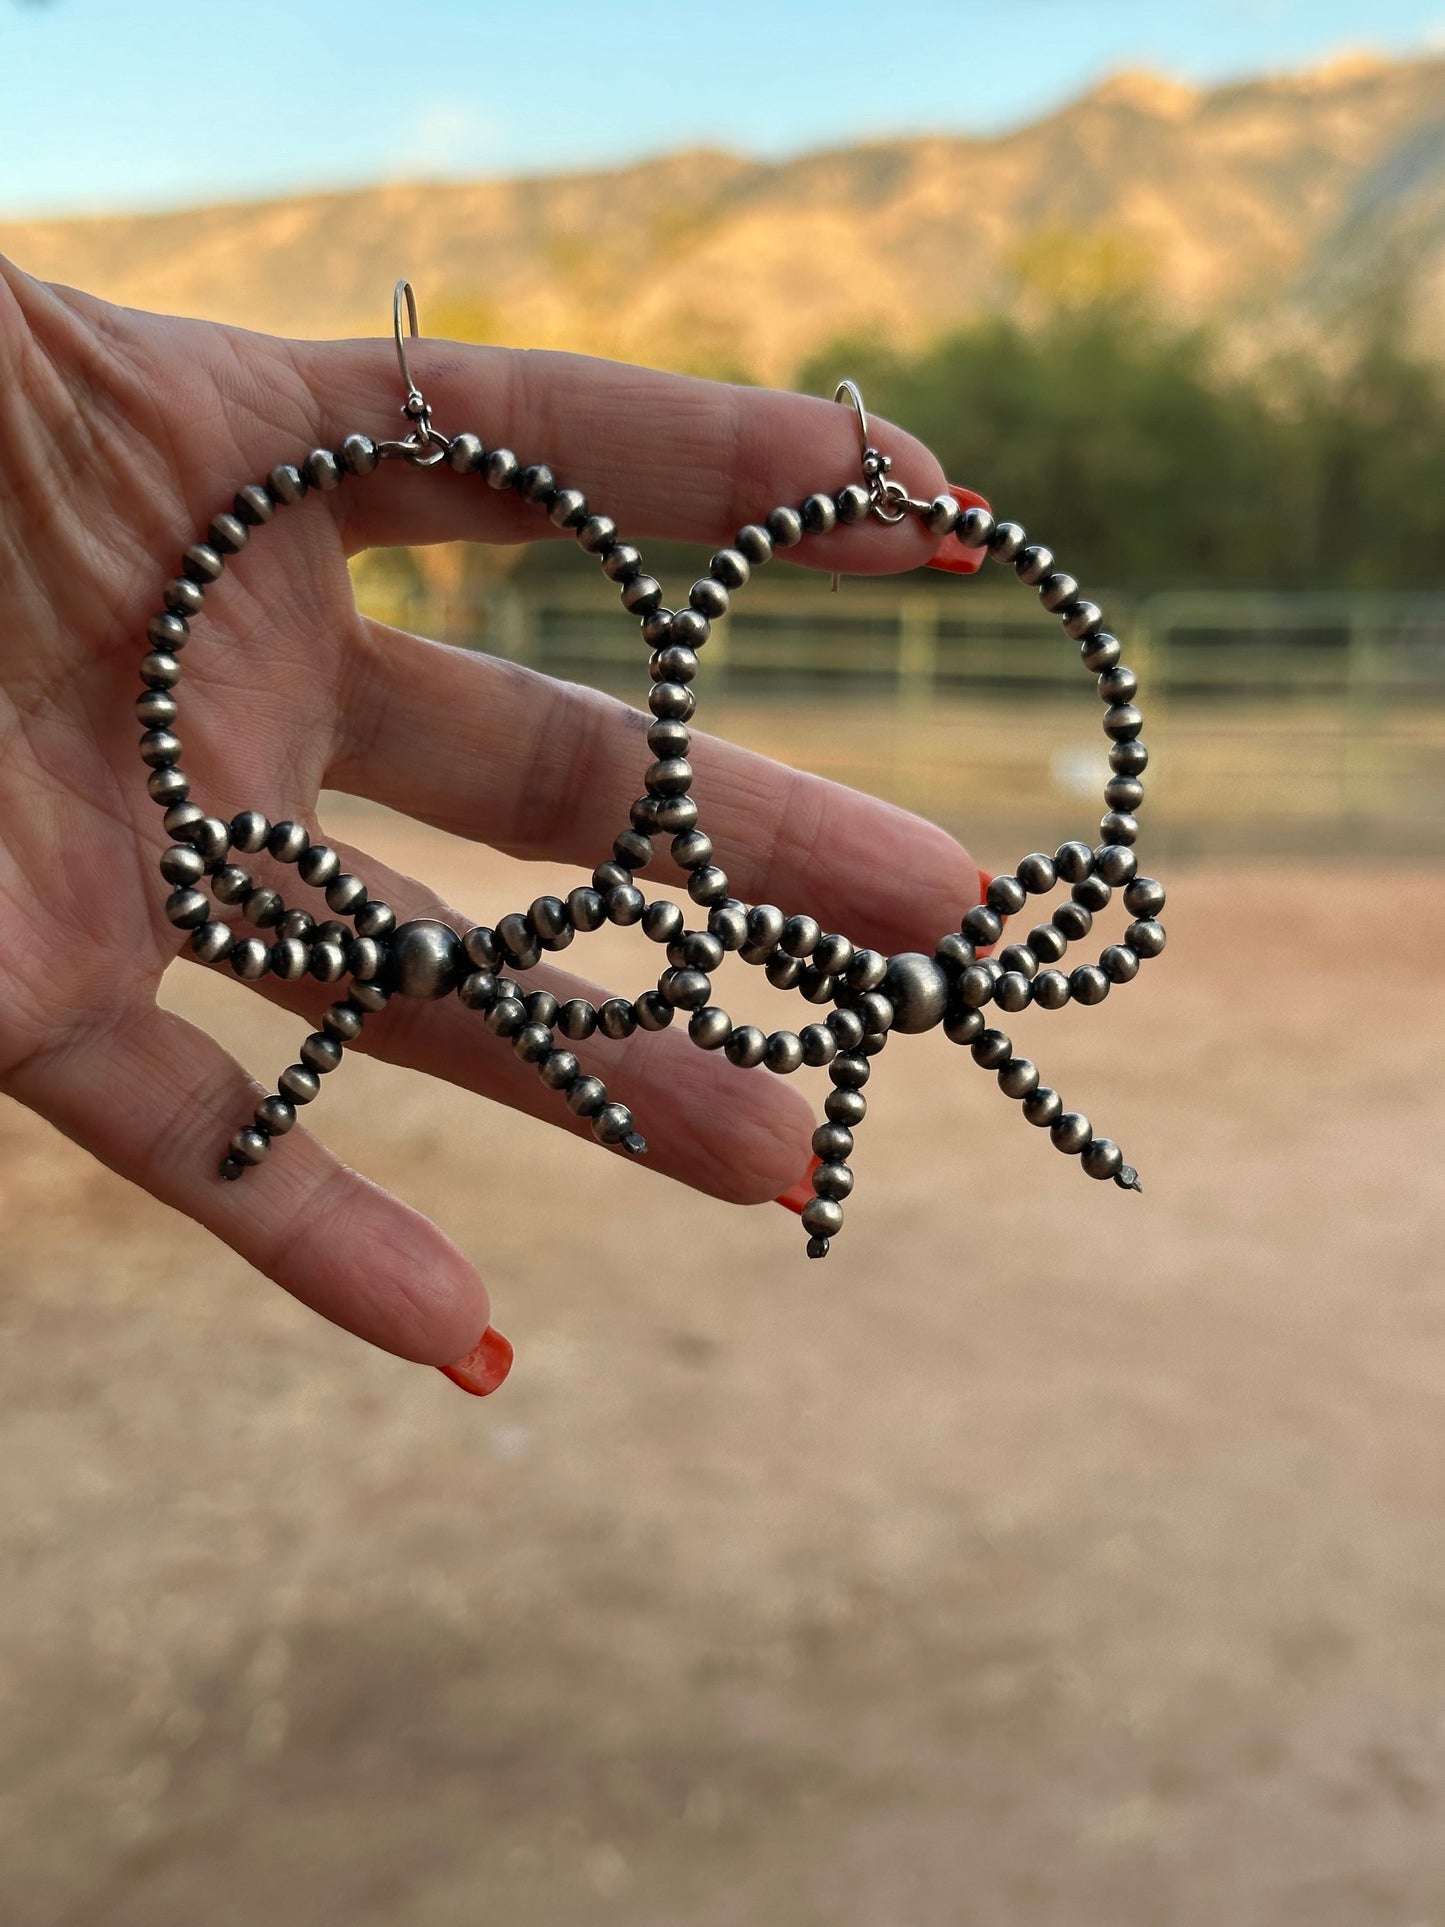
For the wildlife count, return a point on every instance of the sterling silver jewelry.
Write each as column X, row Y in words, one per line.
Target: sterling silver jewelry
column 865, row 995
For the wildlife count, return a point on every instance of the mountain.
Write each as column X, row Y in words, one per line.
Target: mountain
column 1282, row 208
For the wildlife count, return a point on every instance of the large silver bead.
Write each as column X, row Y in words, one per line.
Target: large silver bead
column 427, row 958
column 917, row 988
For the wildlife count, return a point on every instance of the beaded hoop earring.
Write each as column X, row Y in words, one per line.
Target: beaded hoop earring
column 869, row 994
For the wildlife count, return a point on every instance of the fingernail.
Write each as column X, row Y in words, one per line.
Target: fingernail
column 485, row 1365
column 799, row 1195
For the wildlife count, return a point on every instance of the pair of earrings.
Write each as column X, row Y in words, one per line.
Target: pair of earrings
column 860, row 995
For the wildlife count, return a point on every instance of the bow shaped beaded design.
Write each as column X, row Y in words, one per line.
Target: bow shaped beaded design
column 861, row 996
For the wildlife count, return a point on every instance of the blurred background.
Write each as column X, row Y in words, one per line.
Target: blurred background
column 1044, row 1558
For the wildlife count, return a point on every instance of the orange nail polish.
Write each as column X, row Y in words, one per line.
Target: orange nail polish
column 798, row 1196
column 485, row 1365
column 951, row 556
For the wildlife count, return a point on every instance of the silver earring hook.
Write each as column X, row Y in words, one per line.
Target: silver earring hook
column 426, row 445
column 403, row 289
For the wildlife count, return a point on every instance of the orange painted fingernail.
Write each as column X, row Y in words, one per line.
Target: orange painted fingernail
column 485, row 1365
column 951, row 556
column 798, row 1196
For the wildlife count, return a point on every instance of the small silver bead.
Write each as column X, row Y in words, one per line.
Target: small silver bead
column 1083, row 620
column 1033, row 564
column 212, row 942
column 322, row 470
column 168, row 785
column 641, row 595
column 963, row 1026
column 820, row 1044
column 328, row 962
column 709, row 598
column 251, row 959
column 1145, row 936
column 187, row 908
column 819, row 514
column 250, row 1145
column 1044, row 1107
column 710, row 1028
column 181, row 865
column 501, row 469
column 943, row 515
column 228, row 534
column 1144, row 897
column 1013, row 991
column 1050, row 990
column 320, row 1053
column 373, row 919
column 345, row 894
column 1005, row 895
column 783, row 1052
column 202, row 563
column 612, row 1124
column 288, row 842
column 1100, row 651
column 263, row 907
column 365, row 959
column 318, row 865
column 785, row 527
column 853, row 503
column 1070, row 1132
column 286, row 484
column 1102, row 1158
column 755, row 543
column 800, row 935
column 746, row 1046
column 343, row 1022
column 160, row 670
column 1119, row 827
column 160, row 747
column 569, row 508
column 729, row 567
column 297, row 923
column 466, row 453
column 253, row 505
column 290, row 959
column 1007, row 541
column 532, row 1043
column 1123, row 721
column 597, row 534
column 1118, row 685
column 822, row 1217
column 1056, row 590
column 249, row 831
column 275, row 1116
column 975, row 986
column 183, row 597
column 1119, row 963
column 359, row 455
column 992, row 1049
column 181, row 819
column 982, row 925
column 617, row 1018
column 559, row 1070
column 1018, row 1078
column 975, row 527
column 298, row 1084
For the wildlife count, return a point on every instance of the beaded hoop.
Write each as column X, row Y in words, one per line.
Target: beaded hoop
column 869, row 994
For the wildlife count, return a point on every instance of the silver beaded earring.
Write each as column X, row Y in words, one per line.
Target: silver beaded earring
column 868, row 995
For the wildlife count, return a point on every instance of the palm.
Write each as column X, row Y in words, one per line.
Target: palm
column 127, row 433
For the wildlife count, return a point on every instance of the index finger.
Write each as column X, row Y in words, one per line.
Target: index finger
column 667, row 455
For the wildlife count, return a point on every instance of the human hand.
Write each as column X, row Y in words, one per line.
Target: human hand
column 121, row 435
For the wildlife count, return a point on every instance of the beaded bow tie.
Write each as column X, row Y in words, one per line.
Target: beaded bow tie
column 866, row 994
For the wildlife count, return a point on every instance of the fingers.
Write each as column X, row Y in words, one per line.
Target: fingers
column 494, row 752
column 664, row 455
column 158, row 1100
column 742, row 1136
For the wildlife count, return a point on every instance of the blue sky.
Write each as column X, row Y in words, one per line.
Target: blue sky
column 109, row 104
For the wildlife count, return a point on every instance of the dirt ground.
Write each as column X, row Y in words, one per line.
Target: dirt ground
column 1047, row 1558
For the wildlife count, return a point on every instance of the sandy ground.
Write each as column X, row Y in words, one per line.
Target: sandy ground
column 1048, row 1558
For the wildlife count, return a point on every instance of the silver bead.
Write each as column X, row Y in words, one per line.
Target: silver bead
column 1119, row 963
column 250, row 1145
column 1018, row 1078
column 328, row 962
column 159, row 747
column 466, row 453
column 181, row 818
column 288, row 842
column 963, row 1026
column 1088, row 985
column 501, row 469
column 800, row 935
column 478, row 991
column 187, row 908
column 559, row 1070
column 426, row 958
column 1144, row 897
column 1033, row 564
column 374, row 919
column 625, row 905
column 1047, row 942
column 854, row 502
column 168, row 633
column 532, row 1043
column 202, row 563
column 943, row 515
column 844, row 1106
column 975, row 527
column 833, row 1143
column 975, row 986
column 1044, row 1107
column 318, row 865
column 755, row 543
column 251, row 959
column 1050, row 990
column 992, row 1049
column 1115, row 864
column 253, row 505
column 730, row 567
column 1083, row 620
column 917, row 989
column 181, row 865
column 298, row 1084
column 596, row 534
column 785, row 526
column 322, row 470
column 1102, row 1158
column 612, row 1124
column 1057, row 590
column 1118, row 826
column 709, row 598
column 819, row 514
column 822, row 1217
column 1005, row 896
column 641, row 595
column 249, row 831
column 867, row 970
column 212, row 942
column 343, row 1022
column 710, row 1028
column 359, row 454
column 286, row 484
column 507, row 1016
column 568, row 509
column 263, row 907
column 1074, row 862
column 1007, row 541
column 320, row 1053
column 1129, row 758
column 616, row 1019
column 290, row 959
column 820, row 1045
column 1074, row 920
column 1100, row 651
column 168, row 785
column 536, row 482
column 160, row 670
column 1145, row 936
column 1123, row 721
column 746, row 1046
column 1118, row 685
column 345, row 894
column 275, row 1116
column 783, row 1052
column 1093, row 893
column 365, row 959
column 1070, row 1132
column 1013, row 991
column 982, row 925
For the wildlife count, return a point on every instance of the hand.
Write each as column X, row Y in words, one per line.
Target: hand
column 121, row 434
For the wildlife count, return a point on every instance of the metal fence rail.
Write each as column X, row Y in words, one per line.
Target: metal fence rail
column 1277, row 721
